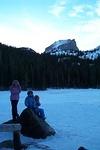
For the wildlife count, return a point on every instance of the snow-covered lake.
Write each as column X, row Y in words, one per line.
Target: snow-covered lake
column 73, row 113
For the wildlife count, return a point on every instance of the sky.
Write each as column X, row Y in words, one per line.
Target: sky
column 39, row 23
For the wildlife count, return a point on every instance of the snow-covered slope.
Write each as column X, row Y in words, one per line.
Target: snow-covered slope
column 92, row 54
column 69, row 47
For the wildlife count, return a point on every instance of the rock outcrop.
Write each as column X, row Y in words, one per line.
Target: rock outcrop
column 33, row 126
column 62, row 46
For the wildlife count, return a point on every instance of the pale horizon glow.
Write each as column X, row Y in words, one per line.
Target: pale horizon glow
column 39, row 24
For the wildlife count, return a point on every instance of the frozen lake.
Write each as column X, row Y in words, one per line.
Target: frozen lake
column 74, row 114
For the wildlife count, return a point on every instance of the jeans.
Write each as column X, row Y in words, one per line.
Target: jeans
column 40, row 113
column 14, row 109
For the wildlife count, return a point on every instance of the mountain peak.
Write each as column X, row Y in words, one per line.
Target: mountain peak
column 62, row 45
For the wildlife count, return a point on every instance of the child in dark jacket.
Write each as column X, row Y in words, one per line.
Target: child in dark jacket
column 39, row 111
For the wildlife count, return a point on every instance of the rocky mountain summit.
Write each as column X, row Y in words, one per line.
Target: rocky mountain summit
column 62, row 46
column 69, row 47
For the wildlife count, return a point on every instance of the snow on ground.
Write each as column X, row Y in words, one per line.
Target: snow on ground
column 73, row 113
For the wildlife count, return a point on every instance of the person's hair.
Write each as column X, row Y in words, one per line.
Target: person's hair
column 15, row 82
column 30, row 92
column 36, row 97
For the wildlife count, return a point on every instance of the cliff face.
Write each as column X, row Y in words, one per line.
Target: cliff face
column 62, row 46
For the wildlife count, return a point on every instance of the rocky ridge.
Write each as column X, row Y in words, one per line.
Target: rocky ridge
column 70, row 48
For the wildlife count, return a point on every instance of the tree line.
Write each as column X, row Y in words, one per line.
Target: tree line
column 41, row 71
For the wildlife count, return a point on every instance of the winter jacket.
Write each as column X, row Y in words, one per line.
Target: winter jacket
column 30, row 102
column 15, row 90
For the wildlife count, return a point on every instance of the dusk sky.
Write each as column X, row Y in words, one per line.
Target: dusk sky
column 39, row 23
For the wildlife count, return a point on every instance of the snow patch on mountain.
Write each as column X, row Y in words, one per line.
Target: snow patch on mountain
column 92, row 54
column 60, row 42
column 62, row 46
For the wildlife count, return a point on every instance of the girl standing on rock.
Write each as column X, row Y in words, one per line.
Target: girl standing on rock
column 15, row 90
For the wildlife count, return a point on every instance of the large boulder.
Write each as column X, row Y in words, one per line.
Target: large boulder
column 33, row 126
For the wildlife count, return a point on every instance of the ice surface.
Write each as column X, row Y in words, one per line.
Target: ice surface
column 73, row 113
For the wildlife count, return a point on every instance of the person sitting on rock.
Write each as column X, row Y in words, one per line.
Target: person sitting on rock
column 39, row 111
column 30, row 100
